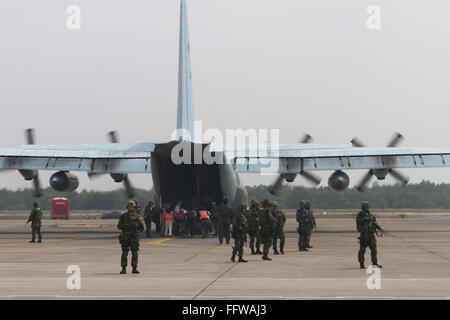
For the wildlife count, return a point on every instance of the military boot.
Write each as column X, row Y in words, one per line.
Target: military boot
column 361, row 266
column 264, row 257
column 377, row 265
column 242, row 260
column 233, row 258
column 40, row 240
column 304, row 249
column 31, row 241
column 281, row 251
column 135, row 270
column 124, row 270
column 253, row 251
column 275, row 251
column 258, row 251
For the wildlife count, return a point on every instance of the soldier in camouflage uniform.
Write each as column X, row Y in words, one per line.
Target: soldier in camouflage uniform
column 302, row 219
column 267, row 225
column 213, row 217
column 224, row 216
column 35, row 219
column 311, row 221
column 131, row 224
column 253, row 227
column 279, row 220
column 148, row 218
column 366, row 226
column 240, row 228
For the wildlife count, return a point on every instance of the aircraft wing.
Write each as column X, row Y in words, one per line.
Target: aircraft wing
column 95, row 158
column 293, row 158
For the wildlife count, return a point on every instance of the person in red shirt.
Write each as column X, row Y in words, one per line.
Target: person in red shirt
column 179, row 214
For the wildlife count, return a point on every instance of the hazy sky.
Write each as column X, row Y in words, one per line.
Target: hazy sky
column 297, row 65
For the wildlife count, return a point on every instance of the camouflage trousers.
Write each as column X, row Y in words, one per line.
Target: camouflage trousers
column 35, row 230
column 255, row 236
column 308, row 237
column 364, row 242
column 276, row 236
column 266, row 239
column 238, row 247
column 224, row 232
column 127, row 244
column 303, row 239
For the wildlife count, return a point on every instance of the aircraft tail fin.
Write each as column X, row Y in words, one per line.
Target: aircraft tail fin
column 185, row 117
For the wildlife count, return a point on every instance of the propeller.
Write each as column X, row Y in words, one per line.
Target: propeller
column 129, row 189
column 278, row 183
column 29, row 136
column 380, row 173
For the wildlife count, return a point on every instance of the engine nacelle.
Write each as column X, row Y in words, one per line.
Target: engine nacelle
column 290, row 177
column 28, row 174
column 339, row 181
column 118, row 177
column 64, row 181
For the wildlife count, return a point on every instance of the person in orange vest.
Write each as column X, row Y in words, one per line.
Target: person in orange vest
column 205, row 222
column 167, row 216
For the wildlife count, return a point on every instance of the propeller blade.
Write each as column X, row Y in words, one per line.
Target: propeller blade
column 395, row 140
column 357, row 143
column 363, row 183
column 399, row 176
column 128, row 187
column 37, row 187
column 29, row 136
column 311, row 177
column 306, row 138
column 276, row 186
column 113, row 137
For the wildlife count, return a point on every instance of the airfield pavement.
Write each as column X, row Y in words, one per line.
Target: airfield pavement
column 415, row 255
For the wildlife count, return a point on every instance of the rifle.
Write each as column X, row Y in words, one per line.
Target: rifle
column 373, row 224
column 278, row 227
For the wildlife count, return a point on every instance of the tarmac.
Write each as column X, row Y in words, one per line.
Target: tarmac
column 415, row 254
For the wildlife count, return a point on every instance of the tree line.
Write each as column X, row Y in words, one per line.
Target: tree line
column 424, row 195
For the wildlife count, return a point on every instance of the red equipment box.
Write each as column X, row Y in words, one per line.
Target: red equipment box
column 60, row 208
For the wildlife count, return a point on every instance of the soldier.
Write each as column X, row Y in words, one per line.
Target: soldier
column 190, row 219
column 239, row 233
column 224, row 216
column 311, row 221
column 35, row 219
column 366, row 225
column 138, row 208
column 148, row 211
column 279, row 219
column 131, row 224
column 267, row 225
column 253, row 227
column 213, row 217
column 302, row 226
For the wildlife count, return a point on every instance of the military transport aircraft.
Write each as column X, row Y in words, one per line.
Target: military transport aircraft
column 204, row 182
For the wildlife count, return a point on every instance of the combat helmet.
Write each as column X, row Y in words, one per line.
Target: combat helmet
column 242, row 206
column 265, row 202
column 364, row 204
column 131, row 203
column 35, row 204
